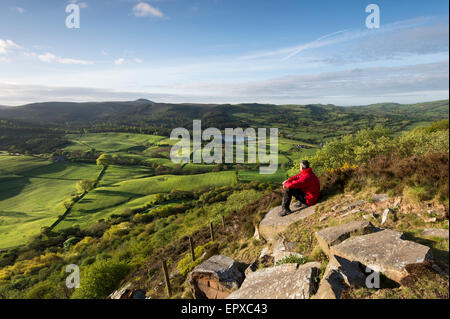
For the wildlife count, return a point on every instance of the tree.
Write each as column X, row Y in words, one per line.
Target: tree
column 104, row 159
column 85, row 185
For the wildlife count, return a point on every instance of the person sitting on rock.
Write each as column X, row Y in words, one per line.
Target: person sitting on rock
column 305, row 187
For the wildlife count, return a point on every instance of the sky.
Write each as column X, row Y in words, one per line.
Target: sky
column 224, row 51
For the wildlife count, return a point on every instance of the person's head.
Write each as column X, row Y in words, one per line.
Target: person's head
column 304, row 165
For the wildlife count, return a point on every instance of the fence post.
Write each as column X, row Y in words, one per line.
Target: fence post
column 211, row 228
column 192, row 248
column 166, row 277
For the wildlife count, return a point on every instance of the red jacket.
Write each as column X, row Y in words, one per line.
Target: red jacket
column 308, row 182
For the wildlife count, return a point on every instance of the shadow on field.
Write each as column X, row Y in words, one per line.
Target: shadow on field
column 49, row 169
column 12, row 186
column 14, row 214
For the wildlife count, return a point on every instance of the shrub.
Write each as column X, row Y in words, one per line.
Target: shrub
column 100, row 279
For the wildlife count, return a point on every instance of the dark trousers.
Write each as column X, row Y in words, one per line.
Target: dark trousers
column 297, row 193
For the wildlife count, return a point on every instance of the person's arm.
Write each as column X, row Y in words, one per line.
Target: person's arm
column 294, row 182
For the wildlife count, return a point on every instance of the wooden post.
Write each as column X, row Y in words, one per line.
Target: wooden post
column 211, row 228
column 166, row 277
column 192, row 248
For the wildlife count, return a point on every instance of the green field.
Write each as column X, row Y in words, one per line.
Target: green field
column 32, row 192
column 112, row 142
column 114, row 198
column 33, row 189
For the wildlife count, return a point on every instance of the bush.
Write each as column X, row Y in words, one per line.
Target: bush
column 368, row 144
column 100, row 279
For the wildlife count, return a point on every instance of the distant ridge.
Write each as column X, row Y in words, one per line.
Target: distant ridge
column 143, row 112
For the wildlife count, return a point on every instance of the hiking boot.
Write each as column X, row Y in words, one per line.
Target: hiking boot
column 285, row 212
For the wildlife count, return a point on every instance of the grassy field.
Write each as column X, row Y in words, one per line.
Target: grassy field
column 112, row 142
column 33, row 189
column 114, row 198
column 32, row 192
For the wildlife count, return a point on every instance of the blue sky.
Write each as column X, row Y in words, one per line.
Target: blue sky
column 224, row 51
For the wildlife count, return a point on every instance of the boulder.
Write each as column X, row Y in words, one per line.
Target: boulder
column 288, row 281
column 436, row 232
column 215, row 278
column 334, row 235
column 273, row 224
column 385, row 251
column 339, row 275
column 331, row 286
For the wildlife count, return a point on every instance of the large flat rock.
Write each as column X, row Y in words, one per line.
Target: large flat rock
column 339, row 275
column 215, row 278
column 334, row 235
column 273, row 224
column 384, row 251
column 288, row 281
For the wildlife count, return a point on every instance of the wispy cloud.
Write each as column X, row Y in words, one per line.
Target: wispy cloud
column 51, row 58
column 407, row 84
column 143, row 9
column 7, row 46
column 410, row 26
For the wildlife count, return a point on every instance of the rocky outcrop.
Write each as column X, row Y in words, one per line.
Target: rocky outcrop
column 334, row 235
column 215, row 278
column 339, row 275
column 273, row 224
column 384, row 251
column 435, row 232
column 287, row 281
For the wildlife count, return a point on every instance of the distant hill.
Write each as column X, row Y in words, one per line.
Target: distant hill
column 313, row 123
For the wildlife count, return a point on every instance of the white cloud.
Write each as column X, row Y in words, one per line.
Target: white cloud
column 50, row 58
column 137, row 60
column 143, row 9
column 119, row 61
column 7, row 46
column 406, row 84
